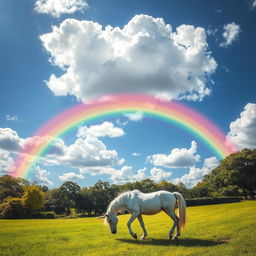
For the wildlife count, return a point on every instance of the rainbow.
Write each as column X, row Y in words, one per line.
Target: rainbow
column 115, row 105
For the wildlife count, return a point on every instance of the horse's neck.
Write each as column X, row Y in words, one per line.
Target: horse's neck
column 116, row 205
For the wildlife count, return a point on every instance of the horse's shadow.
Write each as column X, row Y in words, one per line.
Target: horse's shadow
column 188, row 242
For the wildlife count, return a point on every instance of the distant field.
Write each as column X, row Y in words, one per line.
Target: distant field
column 227, row 229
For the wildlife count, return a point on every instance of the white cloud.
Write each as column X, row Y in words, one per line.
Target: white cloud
column 11, row 118
column 89, row 152
column 10, row 140
column 243, row 130
column 58, row 7
column 195, row 175
column 41, row 176
column 145, row 56
column 70, row 176
column 253, row 4
column 158, row 174
column 136, row 154
column 101, row 130
column 137, row 116
column 127, row 174
column 6, row 161
column 230, row 34
column 178, row 157
column 84, row 152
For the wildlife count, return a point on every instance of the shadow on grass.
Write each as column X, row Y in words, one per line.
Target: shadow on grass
column 188, row 242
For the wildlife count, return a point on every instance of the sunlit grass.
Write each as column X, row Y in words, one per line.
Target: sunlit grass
column 227, row 229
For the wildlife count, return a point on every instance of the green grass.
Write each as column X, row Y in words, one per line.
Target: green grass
column 227, row 229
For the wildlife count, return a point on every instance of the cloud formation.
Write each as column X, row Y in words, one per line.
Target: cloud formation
column 10, row 140
column 101, row 130
column 70, row 176
column 230, row 34
column 127, row 174
column 135, row 117
column 243, row 130
column 145, row 56
column 86, row 151
column 58, row 7
column 6, row 161
column 11, row 118
column 178, row 157
column 41, row 176
column 195, row 174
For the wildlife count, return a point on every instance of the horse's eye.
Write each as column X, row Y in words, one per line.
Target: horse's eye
column 110, row 221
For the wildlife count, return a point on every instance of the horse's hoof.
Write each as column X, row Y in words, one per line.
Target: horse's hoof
column 135, row 236
column 143, row 238
column 175, row 238
column 170, row 237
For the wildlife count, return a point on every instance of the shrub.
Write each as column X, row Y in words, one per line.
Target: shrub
column 209, row 200
column 12, row 208
column 43, row 215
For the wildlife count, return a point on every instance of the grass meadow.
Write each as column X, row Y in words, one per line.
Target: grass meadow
column 226, row 229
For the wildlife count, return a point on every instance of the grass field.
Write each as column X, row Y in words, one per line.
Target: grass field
column 227, row 229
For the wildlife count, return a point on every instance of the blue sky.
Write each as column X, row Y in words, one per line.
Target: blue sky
column 201, row 53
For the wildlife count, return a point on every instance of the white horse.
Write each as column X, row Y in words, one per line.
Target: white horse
column 138, row 203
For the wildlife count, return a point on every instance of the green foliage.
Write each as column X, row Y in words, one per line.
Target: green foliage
column 11, row 187
column 33, row 198
column 236, row 172
column 209, row 201
column 12, row 208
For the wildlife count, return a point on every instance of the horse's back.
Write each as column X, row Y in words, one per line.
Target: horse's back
column 151, row 203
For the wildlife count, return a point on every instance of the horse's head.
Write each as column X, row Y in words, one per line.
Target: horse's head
column 111, row 220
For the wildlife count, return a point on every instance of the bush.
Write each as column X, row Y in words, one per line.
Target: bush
column 209, row 200
column 43, row 215
column 12, row 208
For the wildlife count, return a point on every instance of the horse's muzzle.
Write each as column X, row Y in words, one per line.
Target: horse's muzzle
column 113, row 232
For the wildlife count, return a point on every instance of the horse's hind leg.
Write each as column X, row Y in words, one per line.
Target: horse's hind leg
column 175, row 224
column 143, row 227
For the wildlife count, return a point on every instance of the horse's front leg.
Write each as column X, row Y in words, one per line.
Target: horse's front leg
column 133, row 217
column 143, row 227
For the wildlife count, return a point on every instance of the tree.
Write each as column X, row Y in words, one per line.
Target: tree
column 238, row 169
column 84, row 201
column 67, row 196
column 33, row 198
column 11, row 187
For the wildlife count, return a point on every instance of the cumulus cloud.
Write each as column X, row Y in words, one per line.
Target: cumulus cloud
column 101, row 130
column 6, row 161
column 137, row 116
column 127, row 174
column 195, row 174
column 58, row 7
column 71, row 176
column 89, row 151
column 41, row 176
column 230, row 34
column 10, row 140
column 178, row 157
column 145, row 56
column 85, row 151
column 158, row 174
column 243, row 130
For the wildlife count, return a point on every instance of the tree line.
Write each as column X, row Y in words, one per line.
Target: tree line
column 235, row 176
